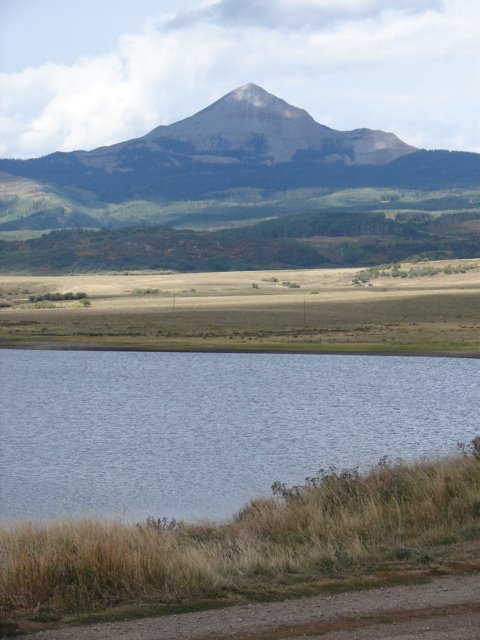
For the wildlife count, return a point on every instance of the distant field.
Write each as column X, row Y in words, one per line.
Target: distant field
column 307, row 310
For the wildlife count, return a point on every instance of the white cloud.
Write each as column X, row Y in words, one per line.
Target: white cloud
column 413, row 72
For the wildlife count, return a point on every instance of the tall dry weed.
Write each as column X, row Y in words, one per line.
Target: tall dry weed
column 332, row 521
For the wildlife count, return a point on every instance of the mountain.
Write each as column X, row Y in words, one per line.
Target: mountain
column 248, row 156
column 248, row 138
column 250, row 122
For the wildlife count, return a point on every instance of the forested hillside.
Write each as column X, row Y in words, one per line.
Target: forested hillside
column 146, row 174
column 318, row 239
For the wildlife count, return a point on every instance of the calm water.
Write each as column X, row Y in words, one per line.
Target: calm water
column 196, row 435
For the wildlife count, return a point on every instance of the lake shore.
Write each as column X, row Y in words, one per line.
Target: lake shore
column 399, row 523
column 345, row 350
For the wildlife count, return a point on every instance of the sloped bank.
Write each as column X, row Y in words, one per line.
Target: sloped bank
column 397, row 517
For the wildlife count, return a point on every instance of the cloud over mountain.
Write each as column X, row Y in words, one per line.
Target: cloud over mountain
column 409, row 66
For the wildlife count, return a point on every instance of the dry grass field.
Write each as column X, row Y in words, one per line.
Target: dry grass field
column 304, row 310
column 342, row 530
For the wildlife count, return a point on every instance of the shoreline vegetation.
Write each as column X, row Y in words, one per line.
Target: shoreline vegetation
column 428, row 308
column 341, row 530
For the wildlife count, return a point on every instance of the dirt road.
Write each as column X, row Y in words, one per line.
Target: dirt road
column 446, row 608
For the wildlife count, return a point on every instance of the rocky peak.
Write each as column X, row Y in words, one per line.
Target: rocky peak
column 247, row 109
column 251, row 121
column 252, row 97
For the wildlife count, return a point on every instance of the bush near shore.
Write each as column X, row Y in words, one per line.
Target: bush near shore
column 331, row 523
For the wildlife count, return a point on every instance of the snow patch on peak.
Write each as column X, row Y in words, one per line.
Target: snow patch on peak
column 253, row 94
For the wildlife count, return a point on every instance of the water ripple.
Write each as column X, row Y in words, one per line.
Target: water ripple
column 196, row 435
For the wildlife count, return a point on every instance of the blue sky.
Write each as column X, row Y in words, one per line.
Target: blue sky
column 80, row 74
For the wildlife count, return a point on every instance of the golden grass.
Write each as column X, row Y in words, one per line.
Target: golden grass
column 239, row 282
column 224, row 310
column 335, row 523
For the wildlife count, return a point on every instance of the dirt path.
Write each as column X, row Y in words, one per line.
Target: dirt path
column 446, row 608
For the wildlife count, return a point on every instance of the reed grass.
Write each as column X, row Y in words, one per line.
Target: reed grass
column 337, row 520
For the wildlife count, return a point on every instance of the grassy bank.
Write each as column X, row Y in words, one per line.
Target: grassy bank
column 346, row 526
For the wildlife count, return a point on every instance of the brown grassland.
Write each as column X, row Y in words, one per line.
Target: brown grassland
column 300, row 310
column 396, row 523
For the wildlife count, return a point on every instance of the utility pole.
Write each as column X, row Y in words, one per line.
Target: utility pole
column 304, row 312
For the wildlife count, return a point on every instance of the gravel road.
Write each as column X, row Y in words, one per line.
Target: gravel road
column 445, row 608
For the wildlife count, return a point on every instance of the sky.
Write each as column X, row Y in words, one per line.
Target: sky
column 79, row 74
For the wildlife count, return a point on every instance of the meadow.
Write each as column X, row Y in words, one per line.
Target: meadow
column 421, row 307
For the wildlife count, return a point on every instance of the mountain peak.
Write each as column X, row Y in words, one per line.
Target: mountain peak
column 251, row 122
column 249, row 99
column 242, row 115
column 253, row 94
column 250, row 88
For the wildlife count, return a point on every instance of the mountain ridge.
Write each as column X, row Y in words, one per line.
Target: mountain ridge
column 251, row 119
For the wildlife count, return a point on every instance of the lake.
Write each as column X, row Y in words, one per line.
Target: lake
column 196, row 435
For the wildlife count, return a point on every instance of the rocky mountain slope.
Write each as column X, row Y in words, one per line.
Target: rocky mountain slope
column 250, row 122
